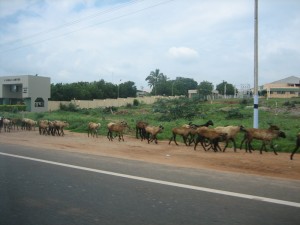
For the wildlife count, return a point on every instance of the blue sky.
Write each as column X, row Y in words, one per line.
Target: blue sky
column 119, row 41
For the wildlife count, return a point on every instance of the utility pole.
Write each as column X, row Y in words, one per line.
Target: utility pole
column 255, row 96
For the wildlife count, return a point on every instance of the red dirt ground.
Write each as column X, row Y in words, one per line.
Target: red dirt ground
column 267, row 164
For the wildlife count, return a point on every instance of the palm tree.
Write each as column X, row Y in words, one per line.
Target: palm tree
column 153, row 78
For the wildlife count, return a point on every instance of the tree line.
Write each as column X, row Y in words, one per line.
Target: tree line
column 159, row 83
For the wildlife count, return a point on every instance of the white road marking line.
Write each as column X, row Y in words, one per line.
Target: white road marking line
column 192, row 187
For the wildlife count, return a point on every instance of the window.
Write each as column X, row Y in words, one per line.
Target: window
column 39, row 102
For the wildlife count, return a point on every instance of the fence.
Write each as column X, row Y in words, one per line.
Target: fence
column 102, row 103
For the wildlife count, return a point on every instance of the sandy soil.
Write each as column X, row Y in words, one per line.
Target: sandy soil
column 267, row 164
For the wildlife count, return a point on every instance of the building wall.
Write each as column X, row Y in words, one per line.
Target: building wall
column 29, row 88
column 277, row 90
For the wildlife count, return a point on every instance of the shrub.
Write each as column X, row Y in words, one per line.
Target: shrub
column 71, row 107
column 234, row 114
column 12, row 108
column 136, row 102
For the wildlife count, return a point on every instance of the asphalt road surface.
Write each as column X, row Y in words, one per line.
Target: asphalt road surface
column 55, row 187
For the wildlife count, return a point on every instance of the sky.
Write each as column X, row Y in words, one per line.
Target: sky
column 119, row 40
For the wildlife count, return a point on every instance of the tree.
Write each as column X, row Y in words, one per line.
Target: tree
column 94, row 90
column 181, row 85
column 225, row 88
column 154, row 78
column 205, row 88
column 127, row 89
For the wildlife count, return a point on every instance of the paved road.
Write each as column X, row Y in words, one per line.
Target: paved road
column 55, row 187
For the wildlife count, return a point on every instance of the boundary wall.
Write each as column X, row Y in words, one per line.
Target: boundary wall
column 102, row 103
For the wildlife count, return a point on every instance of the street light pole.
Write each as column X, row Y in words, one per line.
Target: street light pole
column 255, row 96
column 119, row 88
column 173, row 88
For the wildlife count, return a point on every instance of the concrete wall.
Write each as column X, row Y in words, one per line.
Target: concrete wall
column 26, row 88
column 102, row 103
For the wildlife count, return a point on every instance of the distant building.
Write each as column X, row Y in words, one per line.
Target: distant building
column 140, row 93
column 285, row 88
column 193, row 93
column 31, row 90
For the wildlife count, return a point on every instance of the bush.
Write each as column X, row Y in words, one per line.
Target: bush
column 71, row 107
column 234, row 114
column 12, row 108
column 136, row 102
column 110, row 109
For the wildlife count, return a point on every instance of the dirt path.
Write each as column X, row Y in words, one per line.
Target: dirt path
column 266, row 164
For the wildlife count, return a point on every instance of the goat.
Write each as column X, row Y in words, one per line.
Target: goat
column 44, row 127
column 140, row 129
column 27, row 124
column 51, row 128
column 195, row 126
column 117, row 128
column 231, row 132
column 266, row 135
column 59, row 127
column 184, row 131
column 152, row 131
column 297, row 146
column 7, row 124
column 271, row 127
column 15, row 123
column 212, row 135
column 93, row 129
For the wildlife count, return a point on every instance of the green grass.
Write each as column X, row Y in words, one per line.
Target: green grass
column 278, row 114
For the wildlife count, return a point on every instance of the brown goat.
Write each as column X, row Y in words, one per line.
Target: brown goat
column 7, row 124
column 59, row 127
column 266, row 135
column 214, row 137
column 118, row 128
column 44, row 127
column 231, row 132
column 140, row 129
column 297, row 146
column 93, row 129
column 151, row 133
column 184, row 131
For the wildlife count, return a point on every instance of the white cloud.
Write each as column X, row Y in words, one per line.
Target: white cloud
column 183, row 53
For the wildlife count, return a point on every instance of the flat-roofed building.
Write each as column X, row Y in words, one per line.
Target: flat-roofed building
column 285, row 88
column 31, row 90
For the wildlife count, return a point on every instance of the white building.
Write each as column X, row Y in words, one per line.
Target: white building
column 33, row 91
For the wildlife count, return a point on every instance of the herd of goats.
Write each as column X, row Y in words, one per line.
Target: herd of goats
column 209, row 138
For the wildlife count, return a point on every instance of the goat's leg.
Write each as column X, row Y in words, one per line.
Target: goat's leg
column 196, row 142
column 248, row 146
column 172, row 138
column 191, row 139
column 226, row 145
column 217, row 146
column 155, row 139
column 184, row 140
column 294, row 151
column 109, row 135
column 273, row 148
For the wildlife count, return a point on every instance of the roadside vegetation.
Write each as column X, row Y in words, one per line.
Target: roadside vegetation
column 176, row 112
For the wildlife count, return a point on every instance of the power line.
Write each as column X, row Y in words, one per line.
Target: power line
column 83, row 28
column 71, row 23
